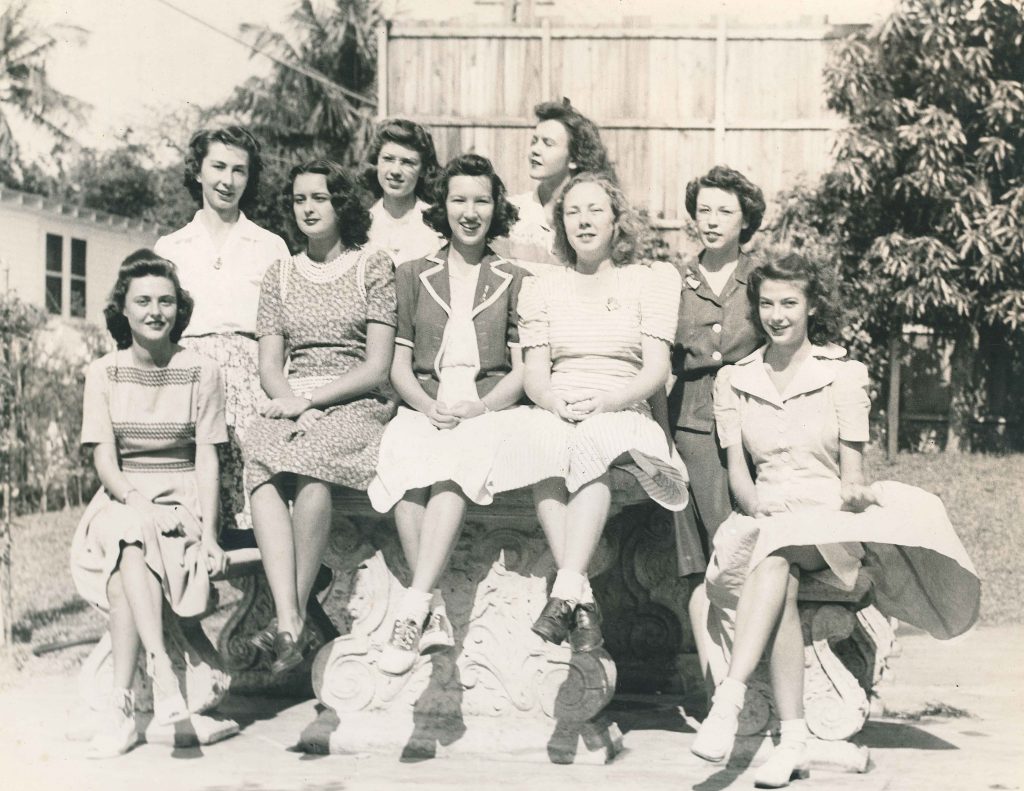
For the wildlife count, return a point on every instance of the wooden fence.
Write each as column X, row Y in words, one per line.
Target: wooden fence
column 671, row 102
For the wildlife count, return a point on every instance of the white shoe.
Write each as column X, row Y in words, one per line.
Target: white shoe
column 399, row 655
column 717, row 733
column 437, row 634
column 117, row 733
column 169, row 704
column 787, row 762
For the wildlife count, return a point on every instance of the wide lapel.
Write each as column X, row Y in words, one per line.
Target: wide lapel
column 694, row 281
column 491, row 282
column 739, row 276
column 435, row 280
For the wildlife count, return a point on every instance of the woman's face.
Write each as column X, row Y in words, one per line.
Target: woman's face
column 719, row 218
column 549, row 151
column 783, row 309
column 589, row 221
column 311, row 202
column 223, row 176
column 151, row 307
column 470, row 208
column 398, row 170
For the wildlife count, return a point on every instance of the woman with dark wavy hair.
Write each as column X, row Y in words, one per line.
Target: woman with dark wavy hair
column 797, row 412
column 326, row 328
column 402, row 165
column 153, row 415
column 222, row 256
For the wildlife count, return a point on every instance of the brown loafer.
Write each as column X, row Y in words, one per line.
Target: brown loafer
column 554, row 621
column 586, row 628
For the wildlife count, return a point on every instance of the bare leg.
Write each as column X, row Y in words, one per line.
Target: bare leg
column 787, row 655
column 698, row 608
column 272, row 525
column 124, row 637
column 587, row 514
column 551, row 500
column 145, row 599
column 410, row 512
column 441, row 527
column 311, row 519
column 761, row 603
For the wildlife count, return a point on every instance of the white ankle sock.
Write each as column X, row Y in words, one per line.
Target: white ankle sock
column 568, row 586
column 436, row 601
column 731, row 692
column 414, row 604
column 793, row 732
column 586, row 595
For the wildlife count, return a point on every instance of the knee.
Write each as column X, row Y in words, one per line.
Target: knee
column 774, row 566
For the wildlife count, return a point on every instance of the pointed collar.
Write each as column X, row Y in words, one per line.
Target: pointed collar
column 244, row 228
column 816, row 372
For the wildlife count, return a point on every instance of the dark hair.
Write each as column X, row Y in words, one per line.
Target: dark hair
column 142, row 263
column 237, row 136
column 353, row 217
column 749, row 195
column 411, row 135
column 628, row 228
column 819, row 286
column 585, row 147
column 505, row 213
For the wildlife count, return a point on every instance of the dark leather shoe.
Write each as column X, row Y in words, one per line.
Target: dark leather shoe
column 290, row 652
column 586, row 628
column 554, row 621
column 264, row 639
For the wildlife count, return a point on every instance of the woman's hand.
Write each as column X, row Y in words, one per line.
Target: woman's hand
column 440, row 417
column 216, row 558
column 857, row 497
column 306, row 420
column 591, row 403
column 288, row 407
column 464, row 410
column 162, row 519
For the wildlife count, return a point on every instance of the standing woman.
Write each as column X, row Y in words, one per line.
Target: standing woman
column 153, row 413
column 221, row 258
column 715, row 329
column 458, row 368
column 798, row 412
column 402, row 165
column 563, row 144
column 596, row 336
column 329, row 314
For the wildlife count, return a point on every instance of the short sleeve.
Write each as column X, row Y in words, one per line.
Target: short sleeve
column 532, row 308
column 660, row 292
column 97, row 427
column 381, row 302
column 211, row 427
column 727, row 409
column 516, row 289
column 279, row 249
column 853, row 404
column 162, row 248
column 270, row 313
column 406, row 292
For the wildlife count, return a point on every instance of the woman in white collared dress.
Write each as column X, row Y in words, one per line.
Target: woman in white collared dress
column 798, row 412
column 221, row 257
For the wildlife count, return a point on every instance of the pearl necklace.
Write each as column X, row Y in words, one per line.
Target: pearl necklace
column 327, row 271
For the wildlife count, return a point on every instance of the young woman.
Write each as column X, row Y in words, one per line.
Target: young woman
column 563, row 144
column 153, row 413
column 329, row 313
column 596, row 337
column 799, row 412
column 402, row 164
column 458, row 368
column 221, row 258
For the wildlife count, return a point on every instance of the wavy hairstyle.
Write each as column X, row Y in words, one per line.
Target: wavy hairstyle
column 585, row 147
column 199, row 146
column 628, row 232
column 817, row 281
column 747, row 193
column 411, row 135
column 142, row 263
column 353, row 217
column 505, row 213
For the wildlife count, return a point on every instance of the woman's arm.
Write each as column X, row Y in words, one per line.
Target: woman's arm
column 741, row 485
column 160, row 518
column 856, row 495
column 505, row 393
column 649, row 379
column 283, row 402
column 537, row 382
column 408, row 387
column 364, row 377
column 208, row 481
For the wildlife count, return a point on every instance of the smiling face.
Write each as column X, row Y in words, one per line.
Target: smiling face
column 783, row 309
column 223, row 176
column 470, row 207
column 549, row 152
column 719, row 219
column 398, row 170
column 311, row 203
column 151, row 308
column 589, row 221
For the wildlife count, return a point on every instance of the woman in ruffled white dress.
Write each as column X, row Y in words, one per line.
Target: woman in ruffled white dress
column 595, row 337
column 458, row 368
column 799, row 412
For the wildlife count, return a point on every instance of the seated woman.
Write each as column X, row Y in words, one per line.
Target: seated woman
column 329, row 313
column 596, row 336
column 457, row 365
column 799, row 412
column 153, row 413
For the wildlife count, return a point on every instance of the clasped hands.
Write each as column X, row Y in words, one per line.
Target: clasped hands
column 296, row 408
column 442, row 416
column 581, row 404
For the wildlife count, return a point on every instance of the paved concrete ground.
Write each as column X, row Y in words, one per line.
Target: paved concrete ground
column 980, row 676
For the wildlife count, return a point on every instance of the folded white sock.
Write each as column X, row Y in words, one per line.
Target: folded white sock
column 568, row 586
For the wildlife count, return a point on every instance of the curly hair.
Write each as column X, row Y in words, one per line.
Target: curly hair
column 411, row 135
column 199, row 146
column 505, row 213
column 143, row 263
column 585, row 147
column 626, row 238
column 353, row 217
column 749, row 195
column 819, row 285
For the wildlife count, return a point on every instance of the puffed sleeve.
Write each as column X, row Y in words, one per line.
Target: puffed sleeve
column 211, row 427
column 270, row 314
column 533, row 313
column 515, row 290
column 853, row 404
column 660, row 291
column 727, row 409
column 162, row 248
column 381, row 303
column 97, row 427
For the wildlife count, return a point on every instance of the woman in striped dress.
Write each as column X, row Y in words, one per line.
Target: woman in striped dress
column 595, row 336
